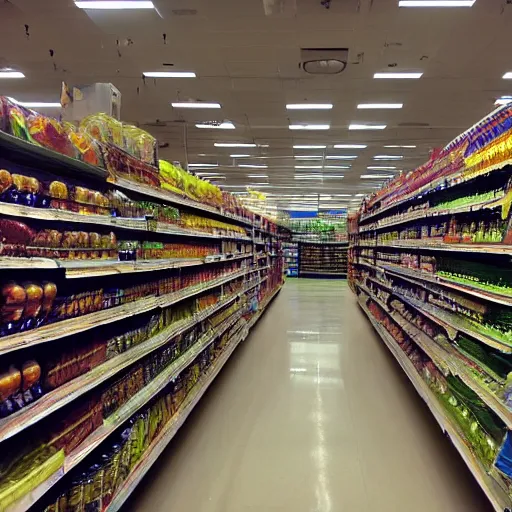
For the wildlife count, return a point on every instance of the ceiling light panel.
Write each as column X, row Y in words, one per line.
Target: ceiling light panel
column 254, row 166
column 36, row 104
column 308, row 147
column 195, row 104
column 376, row 176
column 336, row 167
column 233, row 145
column 308, row 167
column 388, row 157
column 257, row 176
column 11, row 74
column 399, row 76
column 399, row 147
column 350, row 146
column 240, row 156
column 377, row 106
column 309, row 106
column 306, row 157
column 203, row 165
column 436, row 3
column 169, row 74
column 381, row 168
column 341, row 157
column 356, row 126
column 504, row 100
column 115, row 4
column 309, row 127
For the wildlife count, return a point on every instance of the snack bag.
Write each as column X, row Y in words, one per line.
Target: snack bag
column 171, row 177
column 50, row 133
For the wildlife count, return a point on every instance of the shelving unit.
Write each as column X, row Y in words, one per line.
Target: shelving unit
column 322, row 259
column 291, row 259
column 428, row 258
column 119, row 337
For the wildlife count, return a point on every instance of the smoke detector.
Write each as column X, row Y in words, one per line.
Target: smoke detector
column 323, row 61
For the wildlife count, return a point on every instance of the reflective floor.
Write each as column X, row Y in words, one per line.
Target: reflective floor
column 311, row 414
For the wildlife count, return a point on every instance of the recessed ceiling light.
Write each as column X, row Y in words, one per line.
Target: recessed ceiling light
column 195, row 104
column 253, row 166
column 381, row 168
column 308, row 147
column 390, row 74
column 305, row 157
column 350, row 146
column 233, row 145
column 355, row 126
column 395, row 146
column 309, row 106
column 436, row 3
column 387, row 157
column 203, row 165
column 222, row 126
column 341, row 157
column 169, row 74
column 239, row 156
column 336, row 167
column 257, row 176
column 504, row 100
column 11, row 74
column 309, row 127
column 115, row 4
column 308, row 167
column 36, row 104
column 363, row 106
column 375, row 176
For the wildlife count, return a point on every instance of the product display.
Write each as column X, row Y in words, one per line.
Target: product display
column 322, row 259
column 95, row 373
column 429, row 262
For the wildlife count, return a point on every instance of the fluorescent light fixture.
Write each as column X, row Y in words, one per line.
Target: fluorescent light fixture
column 504, row 100
column 11, row 74
column 305, row 177
column 36, row 104
column 309, row 126
column 169, row 74
column 203, row 165
column 387, row 157
column 406, row 147
column 381, row 168
column 257, row 175
column 308, row 167
column 375, row 176
column 341, row 157
column 239, row 156
column 335, row 176
column 305, row 157
column 222, row 126
column 195, row 104
column 350, row 146
column 209, row 174
column 336, row 167
column 257, row 184
column 308, row 147
column 360, row 195
column 403, row 76
column 254, row 166
column 210, row 178
column 355, row 126
column 233, row 145
column 368, row 106
column 436, row 3
column 115, row 4
column 309, row 106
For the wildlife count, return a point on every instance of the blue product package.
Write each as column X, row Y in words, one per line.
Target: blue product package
column 504, row 458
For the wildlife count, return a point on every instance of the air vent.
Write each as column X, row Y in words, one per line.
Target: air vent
column 414, row 125
column 323, row 61
column 184, row 12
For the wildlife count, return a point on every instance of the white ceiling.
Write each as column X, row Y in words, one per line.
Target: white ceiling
column 248, row 62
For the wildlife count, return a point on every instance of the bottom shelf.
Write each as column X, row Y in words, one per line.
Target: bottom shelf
column 496, row 495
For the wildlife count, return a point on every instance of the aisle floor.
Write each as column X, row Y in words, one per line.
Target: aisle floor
column 311, row 414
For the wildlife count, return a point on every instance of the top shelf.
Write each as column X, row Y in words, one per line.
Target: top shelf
column 31, row 155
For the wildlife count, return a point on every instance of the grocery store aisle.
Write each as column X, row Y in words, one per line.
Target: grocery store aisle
column 311, row 414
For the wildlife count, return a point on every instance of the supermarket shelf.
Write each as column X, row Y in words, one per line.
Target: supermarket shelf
column 127, row 410
column 440, row 246
column 447, row 283
column 453, row 323
column 456, row 179
column 46, row 159
column 428, row 213
column 171, row 428
column 496, row 495
column 127, row 223
column 76, row 269
column 321, row 273
column 65, row 394
column 175, row 199
column 83, row 323
column 262, row 307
